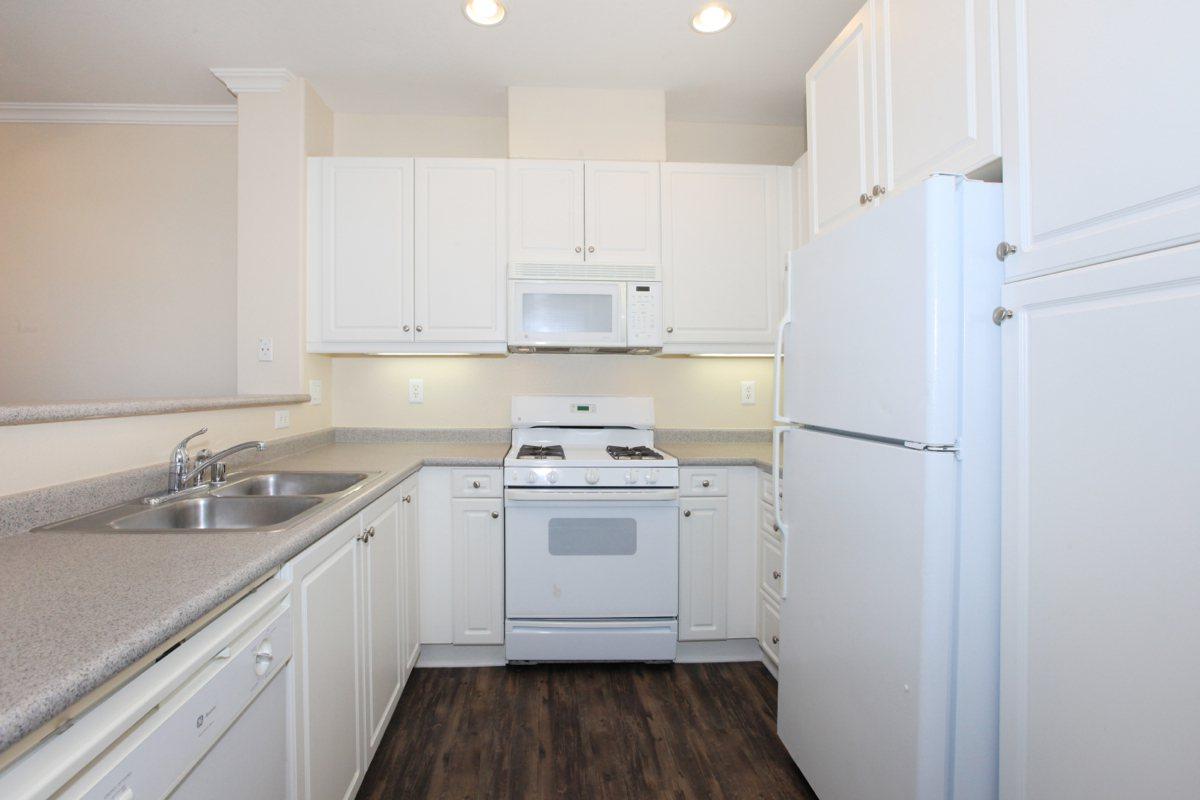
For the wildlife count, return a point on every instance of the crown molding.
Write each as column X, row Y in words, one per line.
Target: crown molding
column 119, row 113
column 238, row 80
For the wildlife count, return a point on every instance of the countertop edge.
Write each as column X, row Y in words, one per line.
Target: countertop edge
column 31, row 413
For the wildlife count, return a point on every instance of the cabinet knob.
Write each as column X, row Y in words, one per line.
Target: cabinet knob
column 578, row 249
column 408, row 498
column 878, row 191
column 864, row 198
column 1004, row 250
column 363, row 538
column 406, row 329
column 591, row 248
column 705, row 483
column 474, row 484
column 775, row 639
column 670, row 329
column 687, row 513
column 1000, row 313
column 776, row 574
column 371, row 532
column 776, row 527
column 419, row 329
column 495, row 515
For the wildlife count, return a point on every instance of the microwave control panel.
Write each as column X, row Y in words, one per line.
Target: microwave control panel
column 644, row 314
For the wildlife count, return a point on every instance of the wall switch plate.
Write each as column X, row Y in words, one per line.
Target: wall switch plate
column 266, row 349
column 749, row 393
column 314, row 392
column 416, row 390
column 283, row 418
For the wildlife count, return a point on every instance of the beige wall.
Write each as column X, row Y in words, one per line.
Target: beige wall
column 34, row 456
column 487, row 137
column 613, row 124
column 475, row 391
column 115, row 242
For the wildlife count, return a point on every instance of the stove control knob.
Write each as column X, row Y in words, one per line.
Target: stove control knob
column 531, row 477
column 592, row 476
column 651, row 476
column 552, row 476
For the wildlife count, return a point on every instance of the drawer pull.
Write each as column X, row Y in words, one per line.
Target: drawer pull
column 408, row 498
column 776, row 574
column 474, row 484
column 775, row 527
column 495, row 515
column 775, row 639
column 687, row 513
column 705, row 483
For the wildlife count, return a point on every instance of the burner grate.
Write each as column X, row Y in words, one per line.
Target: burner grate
column 640, row 453
column 541, row 451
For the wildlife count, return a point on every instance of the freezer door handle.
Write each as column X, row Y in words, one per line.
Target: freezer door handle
column 784, row 323
column 777, row 434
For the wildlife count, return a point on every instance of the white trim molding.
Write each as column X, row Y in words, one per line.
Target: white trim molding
column 118, row 113
column 238, row 80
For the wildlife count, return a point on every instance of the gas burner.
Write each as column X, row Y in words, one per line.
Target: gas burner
column 639, row 453
column 541, row 451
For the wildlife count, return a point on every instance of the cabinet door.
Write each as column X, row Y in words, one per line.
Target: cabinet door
column 329, row 668
column 1101, row 539
column 461, row 249
column 723, row 257
column 939, row 88
column 623, row 215
column 842, row 140
column 412, row 574
column 383, row 603
column 545, row 207
column 1100, row 156
column 703, row 553
column 478, row 571
column 366, row 244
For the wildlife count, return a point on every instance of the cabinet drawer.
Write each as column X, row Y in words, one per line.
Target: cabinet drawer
column 770, row 566
column 768, row 627
column 766, row 522
column 700, row 482
column 475, row 483
column 766, row 488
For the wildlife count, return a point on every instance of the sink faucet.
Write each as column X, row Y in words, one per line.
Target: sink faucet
column 183, row 475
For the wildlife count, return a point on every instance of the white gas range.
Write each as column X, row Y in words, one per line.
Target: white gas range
column 591, row 532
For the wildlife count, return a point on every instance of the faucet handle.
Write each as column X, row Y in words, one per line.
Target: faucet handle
column 183, row 445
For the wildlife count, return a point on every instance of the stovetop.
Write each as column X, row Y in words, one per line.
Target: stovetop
column 637, row 453
column 541, row 451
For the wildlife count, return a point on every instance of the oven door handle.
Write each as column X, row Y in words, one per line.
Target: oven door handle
column 590, row 495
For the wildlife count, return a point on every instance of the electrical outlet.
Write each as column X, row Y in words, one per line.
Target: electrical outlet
column 749, row 393
column 266, row 349
column 314, row 392
column 416, row 390
column 283, row 418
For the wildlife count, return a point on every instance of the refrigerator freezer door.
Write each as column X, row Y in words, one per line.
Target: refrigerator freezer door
column 866, row 642
column 875, row 340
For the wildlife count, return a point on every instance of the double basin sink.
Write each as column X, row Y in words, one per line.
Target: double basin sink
column 253, row 502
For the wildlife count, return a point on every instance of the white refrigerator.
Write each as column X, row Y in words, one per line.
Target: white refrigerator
column 888, row 426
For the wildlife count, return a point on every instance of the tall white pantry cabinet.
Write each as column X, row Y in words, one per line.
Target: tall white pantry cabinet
column 1100, row 647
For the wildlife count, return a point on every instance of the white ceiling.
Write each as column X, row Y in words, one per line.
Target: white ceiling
column 418, row 56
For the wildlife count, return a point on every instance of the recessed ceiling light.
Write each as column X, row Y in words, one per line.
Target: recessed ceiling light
column 484, row 12
column 713, row 18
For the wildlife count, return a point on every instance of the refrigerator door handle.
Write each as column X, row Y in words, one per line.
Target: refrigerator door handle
column 777, row 434
column 784, row 322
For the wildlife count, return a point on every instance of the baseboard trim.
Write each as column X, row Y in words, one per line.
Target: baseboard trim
column 461, row 655
column 726, row 650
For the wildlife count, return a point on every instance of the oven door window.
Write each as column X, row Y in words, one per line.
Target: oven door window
column 551, row 313
column 575, row 536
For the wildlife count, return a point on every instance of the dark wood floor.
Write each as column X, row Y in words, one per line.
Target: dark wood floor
column 586, row 731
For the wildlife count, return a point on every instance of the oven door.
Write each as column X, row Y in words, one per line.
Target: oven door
column 591, row 554
column 566, row 314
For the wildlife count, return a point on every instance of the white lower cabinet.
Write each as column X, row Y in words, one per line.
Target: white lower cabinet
column 412, row 573
column 478, row 566
column 353, row 648
column 769, row 590
column 703, row 557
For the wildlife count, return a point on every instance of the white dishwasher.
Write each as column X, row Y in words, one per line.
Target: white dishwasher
column 210, row 719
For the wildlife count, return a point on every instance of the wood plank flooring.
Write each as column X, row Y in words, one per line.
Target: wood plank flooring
column 586, row 731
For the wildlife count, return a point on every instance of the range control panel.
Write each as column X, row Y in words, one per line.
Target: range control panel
column 644, row 314
column 587, row 477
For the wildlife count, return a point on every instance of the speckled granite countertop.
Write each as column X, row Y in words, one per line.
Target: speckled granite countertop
column 720, row 454
column 80, row 607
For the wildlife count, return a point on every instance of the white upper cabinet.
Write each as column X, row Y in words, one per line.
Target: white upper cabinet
column 621, row 209
column 360, row 249
column 1100, row 131
column 591, row 216
column 842, row 146
column 723, row 256
column 938, row 89
column 461, row 250
column 545, row 204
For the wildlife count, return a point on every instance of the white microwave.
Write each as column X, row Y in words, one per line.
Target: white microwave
column 584, row 316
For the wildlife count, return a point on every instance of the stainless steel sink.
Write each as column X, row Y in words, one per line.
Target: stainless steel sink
column 289, row 484
column 216, row 513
